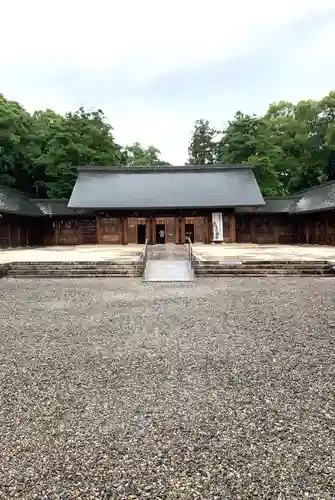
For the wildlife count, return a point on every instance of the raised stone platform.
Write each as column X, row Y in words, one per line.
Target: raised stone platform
column 263, row 260
column 75, row 261
column 76, row 253
column 247, row 252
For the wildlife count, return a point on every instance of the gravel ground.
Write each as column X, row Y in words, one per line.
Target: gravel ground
column 115, row 389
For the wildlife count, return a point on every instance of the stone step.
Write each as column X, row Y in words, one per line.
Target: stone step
column 69, row 275
column 3, row 270
column 87, row 268
column 264, row 275
column 76, row 263
column 261, row 264
column 273, row 272
column 75, row 269
column 261, row 268
column 73, row 273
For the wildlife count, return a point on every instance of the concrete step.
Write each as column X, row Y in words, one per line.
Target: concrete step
column 167, row 252
column 168, row 270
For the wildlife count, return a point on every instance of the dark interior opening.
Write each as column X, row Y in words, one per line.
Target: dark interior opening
column 189, row 232
column 160, row 233
column 141, row 233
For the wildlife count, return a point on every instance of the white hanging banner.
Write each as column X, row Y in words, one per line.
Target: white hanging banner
column 217, row 223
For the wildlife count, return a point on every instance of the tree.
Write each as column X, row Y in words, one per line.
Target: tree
column 17, row 146
column 80, row 138
column 292, row 146
column 202, row 148
column 137, row 155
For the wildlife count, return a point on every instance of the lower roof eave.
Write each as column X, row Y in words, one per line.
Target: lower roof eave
column 139, row 209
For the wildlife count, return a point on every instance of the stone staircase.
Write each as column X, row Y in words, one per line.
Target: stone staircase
column 3, row 270
column 264, row 268
column 79, row 269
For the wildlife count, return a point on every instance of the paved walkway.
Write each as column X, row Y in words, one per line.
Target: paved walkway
column 239, row 252
column 74, row 253
column 168, row 263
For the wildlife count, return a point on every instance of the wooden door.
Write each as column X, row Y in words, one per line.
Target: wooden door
column 156, row 222
column 88, row 231
column 110, row 230
column 141, row 222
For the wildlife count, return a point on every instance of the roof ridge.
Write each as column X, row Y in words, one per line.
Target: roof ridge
column 163, row 168
column 317, row 186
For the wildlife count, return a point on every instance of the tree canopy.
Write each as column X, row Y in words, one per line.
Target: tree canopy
column 292, row 146
column 39, row 152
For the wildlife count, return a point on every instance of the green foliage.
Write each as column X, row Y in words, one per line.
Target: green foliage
column 137, row 155
column 202, row 148
column 40, row 153
column 292, row 146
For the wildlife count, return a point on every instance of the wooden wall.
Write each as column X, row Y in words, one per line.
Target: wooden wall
column 316, row 228
column 4, row 232
column 18, row 231
column 265, row 229
column 71, row 231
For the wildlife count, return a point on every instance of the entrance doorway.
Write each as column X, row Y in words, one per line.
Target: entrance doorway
column 189, row 232
column 141, row 233
column 160, row 233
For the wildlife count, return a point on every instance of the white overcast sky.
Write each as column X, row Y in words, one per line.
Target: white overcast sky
column 156, row 66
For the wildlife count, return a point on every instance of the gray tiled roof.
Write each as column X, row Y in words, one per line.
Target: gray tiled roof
column 58, row 207
column 273, row 204
column 316, row 199
column 166, row 187
column 15, row 202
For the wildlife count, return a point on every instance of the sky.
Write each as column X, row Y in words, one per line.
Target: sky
column 156, row 66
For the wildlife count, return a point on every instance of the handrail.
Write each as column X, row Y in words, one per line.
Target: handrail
column 145, row 255
column 190, row 251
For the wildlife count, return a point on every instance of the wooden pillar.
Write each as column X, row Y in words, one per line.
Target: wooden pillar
column 182, row 229
column 206, row 230
column 210, row 228
column 148, row 229
column 98, row 223
column 176, row 226
column 307, row 230
column 56, row 231
column 233, row 228
column 125, row 230
column 18, row 232
column 153, row 231
column 253, row 231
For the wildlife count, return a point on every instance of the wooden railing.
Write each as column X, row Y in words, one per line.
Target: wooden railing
column 190, row 251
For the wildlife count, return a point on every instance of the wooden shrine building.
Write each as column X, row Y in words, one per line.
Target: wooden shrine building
column 166, row 204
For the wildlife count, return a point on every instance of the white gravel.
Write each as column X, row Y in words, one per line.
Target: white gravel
column 116, row 389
